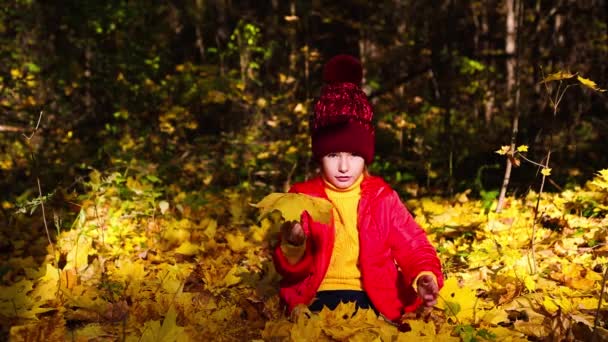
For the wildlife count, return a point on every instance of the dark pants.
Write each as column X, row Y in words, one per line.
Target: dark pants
column 331, row 299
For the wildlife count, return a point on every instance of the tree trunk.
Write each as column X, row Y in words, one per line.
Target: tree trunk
column 199, row 17
column 293, row 44
column 510, row 46
column 221, row 34
column 512, row 38
column 489, row 96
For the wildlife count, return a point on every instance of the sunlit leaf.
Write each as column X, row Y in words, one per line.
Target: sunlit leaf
column 504, row 150
column 550, row 305
column 169, row 331
column 546, row 171
column 188, row 248
column 163, row 206
column 558, row 76
column 292, row 205
column 601, row 179
column 522, row 148
column 237, row 242
column 457, row 301
column 589, row 84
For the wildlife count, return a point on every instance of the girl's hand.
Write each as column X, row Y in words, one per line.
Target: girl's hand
column 293, row 233
column 427, row 290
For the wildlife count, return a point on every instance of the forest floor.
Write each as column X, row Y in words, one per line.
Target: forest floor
column 137, row 266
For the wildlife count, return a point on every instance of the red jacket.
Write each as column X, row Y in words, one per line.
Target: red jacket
column 393, row 251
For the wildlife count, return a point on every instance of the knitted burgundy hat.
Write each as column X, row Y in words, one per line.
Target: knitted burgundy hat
column 342, row 118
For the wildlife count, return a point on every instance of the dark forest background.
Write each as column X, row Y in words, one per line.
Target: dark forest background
column 136, row 135
column 214, row 96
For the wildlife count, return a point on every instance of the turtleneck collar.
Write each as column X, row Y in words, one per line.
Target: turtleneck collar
column 333, row 191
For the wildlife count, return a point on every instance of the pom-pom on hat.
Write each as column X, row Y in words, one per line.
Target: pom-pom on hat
column 342, row 117
column 343, row 68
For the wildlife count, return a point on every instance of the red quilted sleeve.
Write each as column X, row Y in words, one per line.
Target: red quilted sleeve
column 409, row 244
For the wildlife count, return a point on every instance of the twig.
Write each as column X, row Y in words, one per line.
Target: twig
column 99, row 226
column 287, row 183
column 46, row 227
column 516, row 108
column 530, row 161
column 540, row 193
column 599, row 305
column 35, row 129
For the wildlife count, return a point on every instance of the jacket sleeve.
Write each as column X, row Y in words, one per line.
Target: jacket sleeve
column 409, row 244
column 298, row 271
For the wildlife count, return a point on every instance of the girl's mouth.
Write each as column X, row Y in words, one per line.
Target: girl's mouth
column 343, row 178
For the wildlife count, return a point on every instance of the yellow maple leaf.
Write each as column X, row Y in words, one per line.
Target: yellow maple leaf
column 504, row 334
column 291, row 206
column 47, row 287
column 26, row 300
column 169, row 331
column 210, row 228
column 14, row 300
column 237, row 242
column 172, row 277
column 495, row 316
column 558, row 76
column 78, row 256
column 589, row 83
column 89, row 332
column 457, row 301
column 188, row 248
column 601, row 179
column 530, row 282
column 127, row 270
column 550, row 305
column 231, row 278
column 522, row 148
column 546, row 171
column 503, row 150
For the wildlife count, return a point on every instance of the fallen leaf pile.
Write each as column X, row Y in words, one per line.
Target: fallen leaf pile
column 139, row 267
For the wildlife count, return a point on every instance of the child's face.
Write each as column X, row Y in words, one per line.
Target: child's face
column 342, row 169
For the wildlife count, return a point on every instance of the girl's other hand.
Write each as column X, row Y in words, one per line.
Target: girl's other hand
column 427, row 290
column 293, row 233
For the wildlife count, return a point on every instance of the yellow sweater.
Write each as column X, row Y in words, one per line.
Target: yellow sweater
column 343, row 272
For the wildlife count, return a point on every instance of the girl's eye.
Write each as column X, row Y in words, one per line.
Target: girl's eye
column 332, row 155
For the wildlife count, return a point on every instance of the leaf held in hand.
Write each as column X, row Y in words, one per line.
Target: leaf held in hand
column 291, row 206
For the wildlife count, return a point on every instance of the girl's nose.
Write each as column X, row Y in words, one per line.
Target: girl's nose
column 343, row 163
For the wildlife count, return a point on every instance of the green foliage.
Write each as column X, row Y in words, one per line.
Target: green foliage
column 469, row 334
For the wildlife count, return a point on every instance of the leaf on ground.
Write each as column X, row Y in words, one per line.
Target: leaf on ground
column 237, row 242
column 169, row 331
column 188, row 248
column 47, row 287
column 457, row 301
column 231, row 277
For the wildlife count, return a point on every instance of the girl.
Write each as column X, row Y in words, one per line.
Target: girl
column 373, row 253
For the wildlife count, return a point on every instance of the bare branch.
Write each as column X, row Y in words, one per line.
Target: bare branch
column 7, row 128
column 35, row 129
